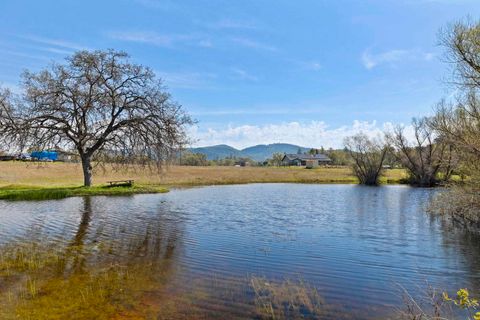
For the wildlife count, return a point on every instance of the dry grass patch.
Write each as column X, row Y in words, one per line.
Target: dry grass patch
column 70, row 175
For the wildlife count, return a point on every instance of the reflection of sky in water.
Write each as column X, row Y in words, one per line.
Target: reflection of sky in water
column 348, row 241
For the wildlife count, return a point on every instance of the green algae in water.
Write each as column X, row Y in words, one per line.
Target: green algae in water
column 45, row 282
column 39, row 282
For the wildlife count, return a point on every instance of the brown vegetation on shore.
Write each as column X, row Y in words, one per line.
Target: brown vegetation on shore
column 70, row 174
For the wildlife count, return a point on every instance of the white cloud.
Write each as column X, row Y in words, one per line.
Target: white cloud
column 13, row 53
column 59, row 43
column 243, row 75
column 166, row 5
column 245, row 42
column 187, row 80
column 147, row 37
column 205, row 43
column 57, row 51
column 455, row 2
column 234, row 24
column 15, row 88
column 312, row 134
column 391, row 57
column 311, row 65
column 315, row 66
column 160, row 40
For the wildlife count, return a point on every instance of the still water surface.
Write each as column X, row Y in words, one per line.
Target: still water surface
column 223, row 252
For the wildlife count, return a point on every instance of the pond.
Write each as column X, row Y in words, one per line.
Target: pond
column 230, row 252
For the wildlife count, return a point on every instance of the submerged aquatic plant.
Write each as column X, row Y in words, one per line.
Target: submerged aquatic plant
column 287, row 299
column 47, row 281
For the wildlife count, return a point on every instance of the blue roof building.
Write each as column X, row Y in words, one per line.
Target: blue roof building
column 45, row 155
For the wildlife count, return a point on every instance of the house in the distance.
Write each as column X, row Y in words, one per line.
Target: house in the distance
column 310, row 160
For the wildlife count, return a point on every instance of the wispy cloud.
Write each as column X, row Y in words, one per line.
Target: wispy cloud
column 455, row 2
column 315, row 66
column 312, row 134
column 188, row 80
column 206, row 43
column 147, row 37
column 160, row 40
column 310, row 65
column 15, row 88
column 243, row 74
column 56, row 50
column 249, row 43
column 18, row 54
column 234, row 24
column 371, row 60
column 166, row 5
column 56, row 44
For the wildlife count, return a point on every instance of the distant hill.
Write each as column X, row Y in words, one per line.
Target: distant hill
column 260, row 152
column 217, row 152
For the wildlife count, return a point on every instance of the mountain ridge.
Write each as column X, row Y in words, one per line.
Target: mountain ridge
column 259, row 152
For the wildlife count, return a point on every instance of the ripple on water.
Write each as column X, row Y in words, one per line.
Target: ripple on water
column 355, row 245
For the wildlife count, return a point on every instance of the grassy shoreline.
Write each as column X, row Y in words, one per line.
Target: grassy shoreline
column 45, row 193
column 40, row 181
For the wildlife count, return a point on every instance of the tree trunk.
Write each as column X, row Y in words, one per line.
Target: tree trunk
column 87, row 171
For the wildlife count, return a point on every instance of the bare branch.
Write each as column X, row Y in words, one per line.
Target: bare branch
column 98, row 102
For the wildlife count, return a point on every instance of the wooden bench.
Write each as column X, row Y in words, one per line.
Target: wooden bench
column 123, row 183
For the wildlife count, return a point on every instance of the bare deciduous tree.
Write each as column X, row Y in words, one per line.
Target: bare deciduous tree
column 277, row 158
column 427, row 159
column 368, row 156
column 98, row 102
column 457, row 122
column 6, row 120
column 462, row 41
column 459, row 126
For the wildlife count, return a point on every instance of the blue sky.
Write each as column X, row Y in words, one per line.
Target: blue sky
column 306, row 72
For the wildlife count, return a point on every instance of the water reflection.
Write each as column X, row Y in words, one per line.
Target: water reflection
column 99, row 268
column 465, row 245
column 223, row 252
column 75, row 250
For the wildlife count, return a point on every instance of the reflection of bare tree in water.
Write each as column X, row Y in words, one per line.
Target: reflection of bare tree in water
column 155, row 245
column 115, row 261
column 79, row 238
column 74, row 258
column 151, row 243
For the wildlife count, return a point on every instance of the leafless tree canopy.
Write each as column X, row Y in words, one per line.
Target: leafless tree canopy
column 462, row 41
column 368, row 155
column 96, row 103
column 427, row 159
column 457, row 122
column 6, row 120
column 459, row 125
column 277, row 158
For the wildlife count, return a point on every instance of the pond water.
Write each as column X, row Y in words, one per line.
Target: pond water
column 230, row 252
